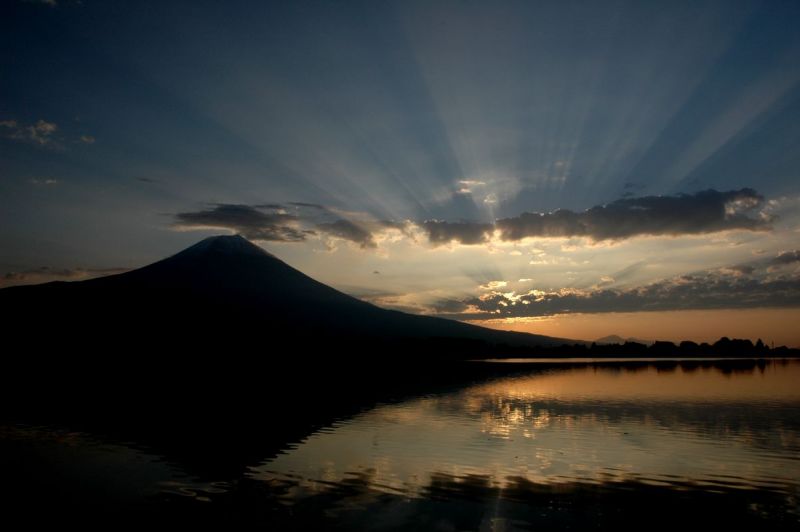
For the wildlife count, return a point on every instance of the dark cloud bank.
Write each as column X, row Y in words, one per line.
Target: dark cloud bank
column 293, row 222
column 687, row 214
column 259, row 222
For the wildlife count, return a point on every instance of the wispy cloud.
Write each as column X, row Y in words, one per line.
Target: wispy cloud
column 41, row 133
column 467, row 186
column 44, row 182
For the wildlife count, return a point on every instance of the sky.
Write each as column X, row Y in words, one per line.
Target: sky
column 577, row 169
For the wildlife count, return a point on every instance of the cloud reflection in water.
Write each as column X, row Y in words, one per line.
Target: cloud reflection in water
column 676, row 425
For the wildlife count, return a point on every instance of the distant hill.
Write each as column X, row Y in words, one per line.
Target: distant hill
column 615, row 339
column 230, row 295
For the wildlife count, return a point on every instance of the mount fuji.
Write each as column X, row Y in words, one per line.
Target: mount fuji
column 226, row 293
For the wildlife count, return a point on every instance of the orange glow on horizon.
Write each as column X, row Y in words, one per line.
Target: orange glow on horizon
column 769, row 324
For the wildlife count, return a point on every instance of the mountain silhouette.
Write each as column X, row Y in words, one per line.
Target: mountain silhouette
column 228, row 294
column 616, row 339
column 221, row 351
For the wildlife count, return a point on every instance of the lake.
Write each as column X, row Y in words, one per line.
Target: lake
column 574, row 444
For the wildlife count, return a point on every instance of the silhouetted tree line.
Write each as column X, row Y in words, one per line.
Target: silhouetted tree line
column 432, row 349
column 724, row 347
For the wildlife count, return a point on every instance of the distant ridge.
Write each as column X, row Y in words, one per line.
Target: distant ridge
column 615, row 339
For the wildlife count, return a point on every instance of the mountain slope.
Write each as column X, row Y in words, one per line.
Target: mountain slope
column 226, row 291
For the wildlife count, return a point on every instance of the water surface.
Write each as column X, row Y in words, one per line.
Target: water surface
column 590, row 423
column 582, row 444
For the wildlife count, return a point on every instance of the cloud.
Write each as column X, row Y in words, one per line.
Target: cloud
column 740, row 269
column 292, row 222
column 348, row 230
column 748, row 286
column 704, row 212
column 493, row 285
column 709, row 211
column 786, row 257
column 470, row 233
column 46, row 182
column 309, row 205
column 466, row 186
column 447, row 306
column 390, row 300
column 41, row 133
column 251, row 222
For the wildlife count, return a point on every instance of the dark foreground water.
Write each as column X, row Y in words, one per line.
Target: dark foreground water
column 577, row 445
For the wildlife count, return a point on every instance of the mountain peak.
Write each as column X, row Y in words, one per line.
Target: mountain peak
column 230, row 285
column 224, row 245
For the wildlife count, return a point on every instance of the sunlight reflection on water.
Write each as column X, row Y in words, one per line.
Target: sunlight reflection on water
column 580, row 445
column 685, row 426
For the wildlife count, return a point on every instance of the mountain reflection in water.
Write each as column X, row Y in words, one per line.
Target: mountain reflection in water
column 585, row 445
